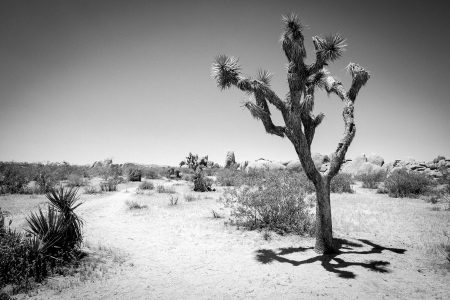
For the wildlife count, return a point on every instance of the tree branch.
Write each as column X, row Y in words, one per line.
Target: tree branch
column 260, row 113
column 328, row 49
column 359, row 78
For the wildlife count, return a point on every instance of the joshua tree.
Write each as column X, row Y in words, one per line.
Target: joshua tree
column 193, row 162
column 297, row 108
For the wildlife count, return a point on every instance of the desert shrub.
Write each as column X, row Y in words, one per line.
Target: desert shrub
column 173, row 200
column 342, row 183
column 135, row 205
column 108, row 186
column 134, row 174
column 12, row 180
column 190, row 197
column 201, row 182
column 187, row 177
column 165, row 190
column 54, row 236
column 371, row 179
column 90, row 189
column 75, row 180
column 216, row 215
column 275, row 202
column 402, row 183
column 147, row 185
column 150, row 174
column 21, row 259
column 229, row 177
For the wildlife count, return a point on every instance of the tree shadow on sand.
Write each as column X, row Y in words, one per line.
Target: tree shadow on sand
column 266, row 256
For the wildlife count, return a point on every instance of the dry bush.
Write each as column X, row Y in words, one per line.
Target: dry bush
column 146, row 185
column 190, row 197
column 371, row 179
column 165, row 190
column 173, row 200
column 403, row 183
column 135, row 205
column 274, row 202
column 342, row 183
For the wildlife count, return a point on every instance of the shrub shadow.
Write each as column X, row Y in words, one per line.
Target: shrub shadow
column 266, row 256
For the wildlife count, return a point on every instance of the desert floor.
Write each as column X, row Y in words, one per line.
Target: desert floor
column 388, row 250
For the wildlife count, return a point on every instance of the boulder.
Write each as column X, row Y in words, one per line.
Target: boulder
column 230, row 159
column 353, row 166
column 387, row 167
column 375, row 159
column 320, row 159
column 367, row 168
column 262, row 164
column 294, row 165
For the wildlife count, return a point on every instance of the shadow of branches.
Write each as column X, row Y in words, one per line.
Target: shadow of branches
column 332, row 262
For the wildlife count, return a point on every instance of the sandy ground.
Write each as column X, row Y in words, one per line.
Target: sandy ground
column 182, row 252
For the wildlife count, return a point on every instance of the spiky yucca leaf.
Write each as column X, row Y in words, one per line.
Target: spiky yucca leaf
column 225, row 70
column 292, row 23
column 48, row 228
column 292, row 38
column 65, row 200
column 329, row 48
column 264, row 76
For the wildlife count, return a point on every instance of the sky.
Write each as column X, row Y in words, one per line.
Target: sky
column 82, row 81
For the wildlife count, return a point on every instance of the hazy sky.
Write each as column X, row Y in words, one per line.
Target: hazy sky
column 86, row 80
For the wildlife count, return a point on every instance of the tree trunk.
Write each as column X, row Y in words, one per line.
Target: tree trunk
column 324, row 228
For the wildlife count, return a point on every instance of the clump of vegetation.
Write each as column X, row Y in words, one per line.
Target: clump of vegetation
column 135, row 205
column 165, row 190
column 150, row 173
column 216, row 215
column 229, row 177
column 76, row 180
column 190, row 197
column 108, row 186
column 134, row 175
column 147, row 185
column 90, row 190
column 371, row 179
column 342, row 183
column 173, row 200
column 201, row 184
column 403, row 183
column 63, row 202
column 54, row 239
column 275, row 202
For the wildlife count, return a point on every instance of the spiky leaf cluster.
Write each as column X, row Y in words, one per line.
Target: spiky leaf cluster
column 329, row 48
column 225, row 70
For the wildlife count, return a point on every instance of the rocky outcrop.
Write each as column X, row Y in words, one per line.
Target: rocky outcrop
column 375, row 159
column 436, row 168
column 263, row 164
column 230, row 159
column 294, row 165
column 353, row 166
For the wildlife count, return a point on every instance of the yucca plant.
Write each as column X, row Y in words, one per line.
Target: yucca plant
column 65, row 200
column 297, row 107
column 48, row 229
column 59, row 229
